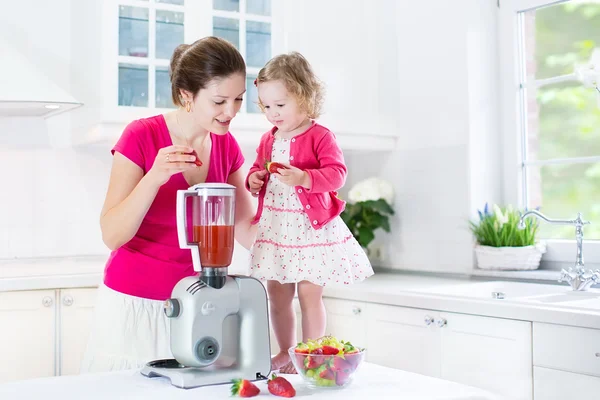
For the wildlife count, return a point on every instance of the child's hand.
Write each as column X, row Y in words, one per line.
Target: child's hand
column 293, row 176
column 256, row 180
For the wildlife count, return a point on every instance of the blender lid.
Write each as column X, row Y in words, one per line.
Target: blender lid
column 215, row 189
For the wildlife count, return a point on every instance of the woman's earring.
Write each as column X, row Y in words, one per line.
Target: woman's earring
column 188, row 106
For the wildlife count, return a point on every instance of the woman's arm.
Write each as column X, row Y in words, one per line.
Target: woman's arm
column 245, row 231
column 130, row 194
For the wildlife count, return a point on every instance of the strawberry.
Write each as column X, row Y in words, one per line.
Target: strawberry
column 193, row 153
column 301, row 348
column 313, row 362
column 279, row 386
column 272, row 167
column 340, row 364
column 341, row 378
column 327, row 374
column 244, row 388
column 330, row 350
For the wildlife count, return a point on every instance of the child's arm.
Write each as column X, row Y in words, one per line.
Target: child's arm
column 259, row 162
column 331, row 175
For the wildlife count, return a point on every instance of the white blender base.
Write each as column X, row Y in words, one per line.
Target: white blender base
column 191, row 377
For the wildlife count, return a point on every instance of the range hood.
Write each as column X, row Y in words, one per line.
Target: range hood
column 25, row 91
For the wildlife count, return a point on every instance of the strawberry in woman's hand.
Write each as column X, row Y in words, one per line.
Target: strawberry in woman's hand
column 279, row 386
column 272, row 167
column 244, row 388
column 197, row 160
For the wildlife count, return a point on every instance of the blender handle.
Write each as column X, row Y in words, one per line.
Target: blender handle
column 182, row 228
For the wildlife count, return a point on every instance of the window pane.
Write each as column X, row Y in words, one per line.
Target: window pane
column 227, row 28
column 258, row 43
column 251, row 95
column 169, row 32
column 133, row 85
column 133, row 31
column 258, row 7
column 562, row 191
column 563, row 121
column 176, row 2
column 163, row 88
column 226, row 5
column 558, row 36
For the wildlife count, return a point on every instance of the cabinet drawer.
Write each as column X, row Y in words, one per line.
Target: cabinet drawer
column 344, row 308
column 551, row 384
column 566, row 348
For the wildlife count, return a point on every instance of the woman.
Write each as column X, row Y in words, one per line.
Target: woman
column 153, row 159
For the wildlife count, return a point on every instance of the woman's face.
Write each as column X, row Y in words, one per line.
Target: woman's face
column 215, row 106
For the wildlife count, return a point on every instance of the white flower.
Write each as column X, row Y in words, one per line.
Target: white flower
column 372, row 189
column 500, row 218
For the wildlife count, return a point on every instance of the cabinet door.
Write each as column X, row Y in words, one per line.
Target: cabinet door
column 27, row 333
column 76, row 314
column 346, row 321
column 490, row 353
column 403, row 338
column 552, row 384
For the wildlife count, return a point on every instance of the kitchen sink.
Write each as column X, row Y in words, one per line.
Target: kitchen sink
column 583, row 299
column 497, row 290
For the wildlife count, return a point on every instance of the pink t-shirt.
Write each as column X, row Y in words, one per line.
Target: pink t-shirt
column 151, row 263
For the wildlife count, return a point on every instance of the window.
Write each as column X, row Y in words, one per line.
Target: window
column 551, row 119
column 247, row 24
column 149, row 31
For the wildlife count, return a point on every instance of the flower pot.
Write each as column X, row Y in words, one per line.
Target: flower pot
column 509, row 258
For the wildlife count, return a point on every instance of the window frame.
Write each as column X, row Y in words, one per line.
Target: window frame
column 150, row 60
column 243, row 17
column 513, row 136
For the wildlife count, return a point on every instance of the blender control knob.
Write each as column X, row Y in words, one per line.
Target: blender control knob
column 172, row 308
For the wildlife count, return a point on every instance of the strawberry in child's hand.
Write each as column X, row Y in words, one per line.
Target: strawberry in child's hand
column 244, row 388
column 279, row 386
column 272, row 166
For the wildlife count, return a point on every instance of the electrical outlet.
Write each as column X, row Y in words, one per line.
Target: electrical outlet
column 377, row 253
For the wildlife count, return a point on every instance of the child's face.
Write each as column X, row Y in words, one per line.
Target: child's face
column 281, row 108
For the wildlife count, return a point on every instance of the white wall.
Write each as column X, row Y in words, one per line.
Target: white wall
column 447, row 164
column 51, row 196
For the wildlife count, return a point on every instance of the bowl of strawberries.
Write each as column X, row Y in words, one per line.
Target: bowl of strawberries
column 327, row 362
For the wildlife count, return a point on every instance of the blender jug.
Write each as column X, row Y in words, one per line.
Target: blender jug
column 213, row 219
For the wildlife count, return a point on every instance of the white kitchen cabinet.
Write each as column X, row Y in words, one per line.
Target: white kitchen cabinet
column 490, row 353
column 44, row 332
column 346, row 320
column 403, row 338
column 76, row 314
column 552, row 384
column 122, row 48
column 565, row 358
column 27, row 334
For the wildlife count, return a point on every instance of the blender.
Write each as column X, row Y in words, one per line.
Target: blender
column 219, row 323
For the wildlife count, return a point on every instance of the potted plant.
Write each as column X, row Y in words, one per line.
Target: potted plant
column 501, row 244
column 368, row 209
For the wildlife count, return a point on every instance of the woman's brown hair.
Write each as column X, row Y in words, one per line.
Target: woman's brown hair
column 194, row 65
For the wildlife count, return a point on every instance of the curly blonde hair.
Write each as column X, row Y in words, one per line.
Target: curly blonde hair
column 299, row 79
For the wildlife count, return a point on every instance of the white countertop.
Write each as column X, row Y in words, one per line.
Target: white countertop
column 392, row 288
column 371, row 382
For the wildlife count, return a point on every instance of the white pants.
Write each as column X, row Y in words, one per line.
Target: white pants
column 127, row 332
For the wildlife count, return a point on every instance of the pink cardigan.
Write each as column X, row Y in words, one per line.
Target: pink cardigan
column 315, row 151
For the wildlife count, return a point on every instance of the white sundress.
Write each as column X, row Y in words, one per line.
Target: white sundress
column 289, row 250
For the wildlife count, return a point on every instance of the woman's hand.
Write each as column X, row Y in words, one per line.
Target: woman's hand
column 171, row 160
column 256, row 180
column 293, row 176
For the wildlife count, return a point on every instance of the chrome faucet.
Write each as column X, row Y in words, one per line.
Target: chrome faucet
column 579, row 279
